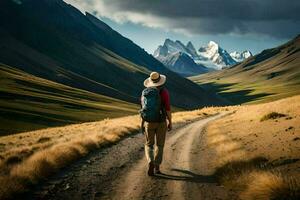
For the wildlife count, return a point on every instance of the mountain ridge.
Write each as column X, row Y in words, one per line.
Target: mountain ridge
column 211, row 56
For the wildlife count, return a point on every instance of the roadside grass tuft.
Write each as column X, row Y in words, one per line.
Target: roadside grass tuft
column 270, row 185
column 232, row 173
column 254, row 179
column 43, row 139
column 272, row 115
column 13, row 160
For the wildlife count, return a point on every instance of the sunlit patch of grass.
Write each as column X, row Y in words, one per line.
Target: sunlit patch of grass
column 241, row 143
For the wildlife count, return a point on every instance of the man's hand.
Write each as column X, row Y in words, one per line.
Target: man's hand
column 143, row 126
column 169, row 120
column 169, row 126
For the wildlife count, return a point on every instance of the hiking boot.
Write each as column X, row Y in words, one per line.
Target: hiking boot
column 156, row 169
column 151, row 169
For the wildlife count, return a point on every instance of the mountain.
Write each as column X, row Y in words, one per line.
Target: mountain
column 211, row 56
column 179, row 58
column 190, row 47
column 182, row 64
column 272, row 74
column 240, row 57
column 170, row 47
column 217, row 55
column 54, row 41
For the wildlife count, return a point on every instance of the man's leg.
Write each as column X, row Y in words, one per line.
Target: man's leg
column 160, row 142
column 150, row 130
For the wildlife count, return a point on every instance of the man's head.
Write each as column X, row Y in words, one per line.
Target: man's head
column 155, row 80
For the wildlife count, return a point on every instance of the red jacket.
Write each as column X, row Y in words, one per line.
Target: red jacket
column 165, row 98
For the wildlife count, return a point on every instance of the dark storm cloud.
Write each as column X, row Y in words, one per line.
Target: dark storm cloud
column 278, row 18
column 226, row 9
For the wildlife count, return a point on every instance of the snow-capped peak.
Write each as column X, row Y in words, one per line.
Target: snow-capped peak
column 246, row 54
column 212, row 51
column 239, row 57
column 213, row 44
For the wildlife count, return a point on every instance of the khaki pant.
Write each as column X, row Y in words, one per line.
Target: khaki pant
column 155, row 132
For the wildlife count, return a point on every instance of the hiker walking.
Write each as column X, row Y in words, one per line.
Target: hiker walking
column 156, row 119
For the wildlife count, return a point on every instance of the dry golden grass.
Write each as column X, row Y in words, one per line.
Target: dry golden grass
column 270, row 185
column 242, row 144
column 259, row 158
column 27, row 158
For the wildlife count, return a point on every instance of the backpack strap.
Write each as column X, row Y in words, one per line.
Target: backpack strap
column 162, row 106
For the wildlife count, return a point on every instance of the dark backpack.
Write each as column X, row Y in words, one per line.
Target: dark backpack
column 152, row 109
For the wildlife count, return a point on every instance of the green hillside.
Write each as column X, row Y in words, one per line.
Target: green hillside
column 28, row 103
column 272, row 74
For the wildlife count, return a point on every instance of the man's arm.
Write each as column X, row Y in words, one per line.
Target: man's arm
column 166, row 101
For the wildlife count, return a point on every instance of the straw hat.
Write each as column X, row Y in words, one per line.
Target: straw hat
column 155, row 80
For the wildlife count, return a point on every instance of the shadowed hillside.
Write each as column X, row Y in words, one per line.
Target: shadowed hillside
column 272, row 74
column 28, row 103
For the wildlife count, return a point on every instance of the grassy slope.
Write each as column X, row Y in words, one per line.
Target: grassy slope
column 258, row 158
column 93, row 68
column 28, row 103
column 270, row 75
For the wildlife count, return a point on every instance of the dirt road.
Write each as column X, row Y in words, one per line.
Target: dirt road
column 119, row 171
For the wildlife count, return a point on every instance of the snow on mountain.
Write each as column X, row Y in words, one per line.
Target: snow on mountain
column 239, row 57
column 211, row 56
column 220, row 57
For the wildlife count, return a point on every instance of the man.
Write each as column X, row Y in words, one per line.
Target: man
column 156, row 119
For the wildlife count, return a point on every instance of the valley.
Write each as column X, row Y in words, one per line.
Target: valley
column 70, row 95
column 80, row 53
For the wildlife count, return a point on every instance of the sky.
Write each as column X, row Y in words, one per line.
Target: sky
column 238, row 25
